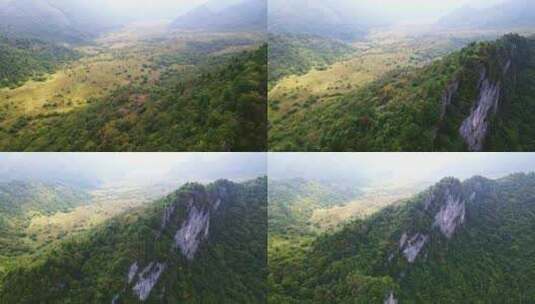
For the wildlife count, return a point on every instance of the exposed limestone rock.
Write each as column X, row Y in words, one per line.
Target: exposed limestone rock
column 115, row 299
column 451, row 215
column 391, row 299
column 147, row 279
column 132, row 272
column 168, row 212
column 194, row 229
column 474, row 128
column 413, row 246
column 402, row 240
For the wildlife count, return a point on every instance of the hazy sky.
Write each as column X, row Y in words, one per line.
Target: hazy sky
column 138, row 168
column 165, row 9
column 420, row 10
column 386, row 167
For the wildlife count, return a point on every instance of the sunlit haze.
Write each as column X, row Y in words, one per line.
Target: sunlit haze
column 139, row 168
column 377, row 168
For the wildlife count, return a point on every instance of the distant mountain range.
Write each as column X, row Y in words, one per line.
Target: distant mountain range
column 338, row 19
column 54, row 20
column 508, row 15
column 247, row 15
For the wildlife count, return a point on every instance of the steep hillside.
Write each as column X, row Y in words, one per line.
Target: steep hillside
column 247, row 15
column 475, row 99
column 201, row 244
column 54, row 20
column 296, row 54
column 204, row 99
column 458, row 242
column 292, row 202
column 511, row 14
column 24, row 59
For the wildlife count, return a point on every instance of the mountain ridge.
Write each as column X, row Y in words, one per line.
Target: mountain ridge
column 436, row 247
column 198, row 236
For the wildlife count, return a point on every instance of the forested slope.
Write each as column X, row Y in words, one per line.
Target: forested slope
column 296, row 54
column 24, row 59
column 200, row 244
column 457, row 242
column 217, row 105
column 479, row 98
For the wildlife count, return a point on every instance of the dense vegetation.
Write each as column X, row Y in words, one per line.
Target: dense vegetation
column 406, row 109
column 291, row 203
column 229, row 267
column 489, row 258
column 296, row 54
column 24, row 59
column 20, row 201
column 218, row 104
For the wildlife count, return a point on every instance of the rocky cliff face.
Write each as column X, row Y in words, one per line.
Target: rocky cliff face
column 445, row 209
column 445, row 205
column 199, row 206
column 474, row 129
column 489, row 78
column 391, row 299
column 412, row 247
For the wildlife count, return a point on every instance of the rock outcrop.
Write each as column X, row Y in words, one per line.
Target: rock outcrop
column 132, row 272
column 199, row 205
column 498, row 70
column 451, row 215
column 391, row 299
column 194, row 230
column 474, row 129
column 147, row 279
column 412, row 246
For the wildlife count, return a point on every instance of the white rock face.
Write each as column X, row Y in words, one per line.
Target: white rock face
column 194, row 229
column 115, row 299
column 132, row 272
column 147, row 279
column 413, row 246
column 451, row 215
column 474, row 128
column 391, row 299
column 402, row 240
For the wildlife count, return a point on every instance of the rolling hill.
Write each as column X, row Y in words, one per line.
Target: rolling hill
column 246, row 15
column 471, row 100
column 54, row 20
column 24, row 59
column 200, row 244
column 457, row 242
column 509, row 15
column 203, row 87
column 21, row 201
column 337, row 19
column 296, row 54
column 292, row 203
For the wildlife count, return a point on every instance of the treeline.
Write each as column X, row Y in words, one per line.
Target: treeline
column 25, row 59
column 296, row 54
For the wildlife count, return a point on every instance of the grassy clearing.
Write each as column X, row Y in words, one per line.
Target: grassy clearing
column 384, row 52
column 118, row 59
